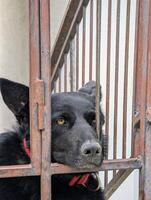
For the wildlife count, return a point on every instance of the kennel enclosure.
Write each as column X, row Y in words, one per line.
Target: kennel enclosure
column 65, row 69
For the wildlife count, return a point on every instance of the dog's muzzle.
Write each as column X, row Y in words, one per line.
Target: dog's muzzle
column 91, row 151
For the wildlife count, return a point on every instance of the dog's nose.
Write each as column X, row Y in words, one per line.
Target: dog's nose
column 91, row 150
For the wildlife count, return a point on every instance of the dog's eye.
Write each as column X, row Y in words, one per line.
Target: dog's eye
column 61, row 121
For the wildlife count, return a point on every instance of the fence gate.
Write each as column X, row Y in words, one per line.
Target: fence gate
column 39, row 34
column 91, row 45
column 109, row 41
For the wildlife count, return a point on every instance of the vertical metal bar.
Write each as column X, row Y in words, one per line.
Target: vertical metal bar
column 45, row 75
column 149, row 69
column 65, row 72
column 98, row 53
column 141, row 94
column 142, row 63
column 146, row 101
column 34, row 75
column 108, row 78
column 83, row 44
column 126, row 78
column 133, row 151
column 59, row 80
column 91, row 40
column 147, row 175
column 116, row 81
column 71, row 65
column 77, row 56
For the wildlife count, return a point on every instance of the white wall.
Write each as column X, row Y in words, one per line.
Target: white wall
column 14, row 44
column 14, row 49
column 58, row 8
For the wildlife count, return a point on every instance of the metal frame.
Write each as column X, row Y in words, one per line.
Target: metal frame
column 142, row 100
column 142, row 64
column 35, row 167
column 40, row 116
column 40, row 85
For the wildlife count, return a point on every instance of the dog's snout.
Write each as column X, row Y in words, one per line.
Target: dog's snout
column 91, row 150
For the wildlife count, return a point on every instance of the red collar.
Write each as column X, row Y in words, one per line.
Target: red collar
column 26, row 148
column 79, row 180
column 84, row 181
column 76, row 180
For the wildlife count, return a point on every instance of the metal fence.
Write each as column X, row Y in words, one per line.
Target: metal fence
column 76, row 58
column 102, row 40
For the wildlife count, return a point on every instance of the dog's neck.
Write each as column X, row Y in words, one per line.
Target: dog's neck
column 89, row 181
column 77, row 182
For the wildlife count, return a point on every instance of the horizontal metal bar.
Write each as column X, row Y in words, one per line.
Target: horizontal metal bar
column 132, row 163
column 18, row 171
column 27, row 170
column 116, row 182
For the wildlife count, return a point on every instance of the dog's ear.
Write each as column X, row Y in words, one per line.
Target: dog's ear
column 15, row 96
column 90, row 89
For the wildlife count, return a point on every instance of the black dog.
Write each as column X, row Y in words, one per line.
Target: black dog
column 74, row 143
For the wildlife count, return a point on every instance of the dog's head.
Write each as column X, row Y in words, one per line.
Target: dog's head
column 74, row 138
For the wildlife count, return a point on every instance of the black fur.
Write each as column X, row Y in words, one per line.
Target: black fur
column 74, row 143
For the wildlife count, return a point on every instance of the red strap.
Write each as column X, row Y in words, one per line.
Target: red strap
column 83, row 180
column 79, row 180
column 26, row 147
column 74, row 180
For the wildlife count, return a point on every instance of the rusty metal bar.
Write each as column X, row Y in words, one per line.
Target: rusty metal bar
column 149, row 71
column 34, row 34
column 141, row 94
column 45, row 75
column 132, row 163
column 59, row 80
column 142, row 63
column 71, row 65
column 135, row 112
column 18, row 171
column 77, row 56
column 83, row 44
column 146, row 65
column 136, row 89
column 35, row 166
column 108, row 79
column 67, row 30
column 65, row 72
column 147, row 160
column 26, row 170
column 147, row 173
column 39, row 97
column 91, row 40
column 126, row 78
column 116, row 182
column 108, row 67
column 98, row 50
column 116, row 81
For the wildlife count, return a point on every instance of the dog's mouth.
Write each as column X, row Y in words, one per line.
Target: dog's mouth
column 80, row 164
column 76, row 162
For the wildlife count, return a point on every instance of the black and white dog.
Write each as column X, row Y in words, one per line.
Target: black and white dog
column 74, row 143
